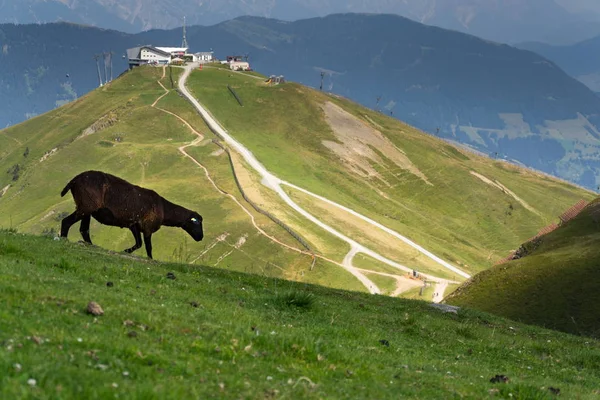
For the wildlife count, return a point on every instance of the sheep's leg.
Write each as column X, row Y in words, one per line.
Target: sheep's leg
column 84, row 228
column 148, row 243
column 67, row 222
column 138, row 239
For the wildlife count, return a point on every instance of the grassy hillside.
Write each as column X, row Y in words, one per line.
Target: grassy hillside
column 139, row 142
column 555, row 286
column 467, row 209
column 215, row 333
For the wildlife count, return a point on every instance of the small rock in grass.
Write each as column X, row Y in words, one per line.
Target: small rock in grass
column 128, row 322
column 36, row 339
column 170, row 275
column 554, row 390
column 94, row 309
column 109, row 284
column 499, row 378
column 31, row 382
column 385, row 342
column 132, row 334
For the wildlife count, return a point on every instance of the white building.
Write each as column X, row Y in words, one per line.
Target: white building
column 239, row 65
column 203, row 56
column 174, row 51
column 153, row 55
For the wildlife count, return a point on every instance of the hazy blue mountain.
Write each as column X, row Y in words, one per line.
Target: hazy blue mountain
column 492, row 97
column 89, row 12
column 581, row 60
column 507, row 21
column 43, row 66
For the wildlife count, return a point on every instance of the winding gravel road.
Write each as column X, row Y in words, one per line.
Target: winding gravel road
column 274, row 183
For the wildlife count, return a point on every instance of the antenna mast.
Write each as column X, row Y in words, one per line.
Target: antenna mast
column 184, row 42
column 104, row 58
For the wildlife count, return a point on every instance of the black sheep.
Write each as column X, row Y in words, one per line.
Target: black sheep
column 116, row 202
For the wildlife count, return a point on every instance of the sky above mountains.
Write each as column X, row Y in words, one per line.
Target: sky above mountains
column 508, row 21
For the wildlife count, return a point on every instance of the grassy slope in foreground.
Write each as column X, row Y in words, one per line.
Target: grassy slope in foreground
column 459, row 217
column 555, row 286
column 244, row 340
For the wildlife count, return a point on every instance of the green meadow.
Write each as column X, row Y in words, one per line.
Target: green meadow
column 217, row 333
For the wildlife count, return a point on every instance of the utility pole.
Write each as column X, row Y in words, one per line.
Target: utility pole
column 110, row 54
column 97, row 57
column 104, row 57
column 322, row 76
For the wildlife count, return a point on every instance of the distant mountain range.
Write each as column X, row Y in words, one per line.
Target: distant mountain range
column 507, row 21
column 581, row 60
column 506, row 102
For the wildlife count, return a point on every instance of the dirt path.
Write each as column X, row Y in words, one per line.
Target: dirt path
column 438, row 294
column 506, row 190
column 389, row 231
column 403, row 282
column 195, row 142
column 200, row 138
column 275, row 184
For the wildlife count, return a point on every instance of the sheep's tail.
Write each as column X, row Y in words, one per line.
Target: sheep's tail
column 66, row 189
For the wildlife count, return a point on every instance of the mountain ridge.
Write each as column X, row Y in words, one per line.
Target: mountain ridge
column 580, row 60
column 505, row 21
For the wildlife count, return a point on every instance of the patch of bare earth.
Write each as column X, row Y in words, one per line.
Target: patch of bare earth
column 48, row 154
column 103, row 122
column 106, row 121
column 507, row 191
column 48, row 215
column 4, row 190
column 404, row 284
column 240, row 242
column 357, row 141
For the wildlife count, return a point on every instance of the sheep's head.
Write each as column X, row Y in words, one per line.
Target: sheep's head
column 193, row 226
